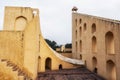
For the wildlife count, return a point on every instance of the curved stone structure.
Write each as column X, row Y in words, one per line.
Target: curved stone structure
column 69, row 60
column 23, row 44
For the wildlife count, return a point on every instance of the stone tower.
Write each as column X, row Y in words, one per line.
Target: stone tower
column 17, row 18
column 26, row 20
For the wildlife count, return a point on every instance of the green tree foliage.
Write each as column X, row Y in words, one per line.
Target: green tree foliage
column 68, row 45
column 52, row 44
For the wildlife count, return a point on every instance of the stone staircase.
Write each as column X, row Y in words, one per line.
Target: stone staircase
column 11, row 71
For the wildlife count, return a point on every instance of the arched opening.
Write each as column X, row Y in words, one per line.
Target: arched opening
column 80, row 56
column 20, row 23
column 85, row 26
column 76, row 46
column 111, row 70
column 76, row 22
column 60, row 67
column 94, row 44
column 85, row 63
column 80, row 31
column 80, row 46
column 39, row 63
column 76, row 34
column 109, row 40
column 94, row 62
column 80, row 21
column 48, row 64
column 93, row 27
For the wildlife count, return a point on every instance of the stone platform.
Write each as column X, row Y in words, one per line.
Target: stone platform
column 69, row 74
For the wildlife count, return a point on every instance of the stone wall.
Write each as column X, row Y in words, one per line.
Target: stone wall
column 11, row 46
column 97, row 41
column 16, row 18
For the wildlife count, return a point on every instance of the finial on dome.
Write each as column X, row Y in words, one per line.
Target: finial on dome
column 74, row 9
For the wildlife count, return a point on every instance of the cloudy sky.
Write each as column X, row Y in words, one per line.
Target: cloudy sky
column 55, row 15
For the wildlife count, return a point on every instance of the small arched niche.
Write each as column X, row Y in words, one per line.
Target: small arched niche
column 20, row 23
column 76, row 34
column 76, row 22
column 109, row 42
column 80, row 20
column 39, row 63
column 48, row 63
column 80, row 45
column 60, row 67
column 80, row 31
column 111, row 70
column 94, row 62
column 76, row 46
column 93, row 28
column 94, row 44
column 80, row 56
column 85, row 26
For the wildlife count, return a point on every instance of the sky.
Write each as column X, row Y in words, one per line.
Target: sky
column 56, row 15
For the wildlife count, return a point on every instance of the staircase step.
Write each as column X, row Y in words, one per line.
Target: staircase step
column 13, row 69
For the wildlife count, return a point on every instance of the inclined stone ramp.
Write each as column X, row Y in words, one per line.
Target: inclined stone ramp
column 70, row 60
column 66, row 59
column 61, row 57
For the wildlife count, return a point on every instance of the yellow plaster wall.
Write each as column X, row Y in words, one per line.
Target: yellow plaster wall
column 11, row 46
column 103, row 25
column 12, row 13
column 27, row 47
column 46, row 52
column 31, row 46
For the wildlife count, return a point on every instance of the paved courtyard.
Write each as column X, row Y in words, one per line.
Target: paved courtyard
column 69, row 74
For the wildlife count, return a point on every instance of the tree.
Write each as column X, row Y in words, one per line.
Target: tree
column 68, row 45
column 52, row 44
